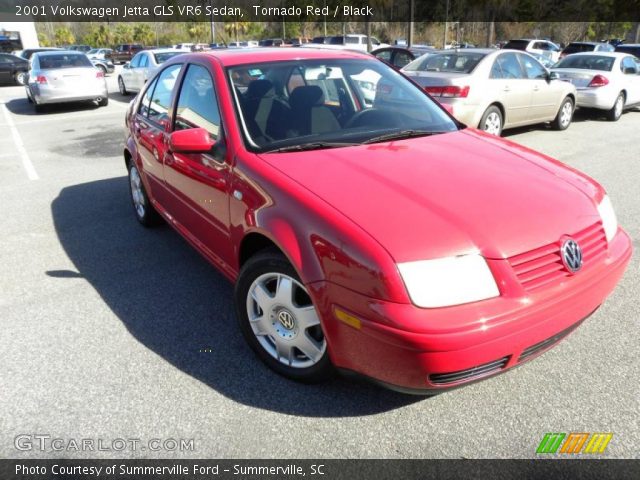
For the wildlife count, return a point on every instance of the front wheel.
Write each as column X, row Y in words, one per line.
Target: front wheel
column 491, row 121
column 616, row 111
column 122, row 87
column 564, row 116
column 278, row 319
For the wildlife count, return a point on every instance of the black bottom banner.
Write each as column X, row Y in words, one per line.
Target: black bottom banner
column 66, row 469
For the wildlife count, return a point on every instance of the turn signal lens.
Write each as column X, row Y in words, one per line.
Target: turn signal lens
column 599, row 81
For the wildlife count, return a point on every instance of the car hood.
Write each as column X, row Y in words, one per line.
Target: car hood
column 448, row 194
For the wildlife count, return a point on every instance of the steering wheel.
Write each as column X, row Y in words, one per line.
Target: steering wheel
column 369, row 116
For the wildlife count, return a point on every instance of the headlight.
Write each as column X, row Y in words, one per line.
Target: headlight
column 608, row 216
column 448, row 281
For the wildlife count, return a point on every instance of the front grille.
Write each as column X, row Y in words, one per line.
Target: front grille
column 543, row 265
column 470, row 373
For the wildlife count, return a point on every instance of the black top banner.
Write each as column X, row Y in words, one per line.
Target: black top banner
column 319, row 10
column 319, row 469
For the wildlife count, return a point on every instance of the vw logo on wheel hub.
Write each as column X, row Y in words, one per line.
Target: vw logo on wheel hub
column 571, row 254
column 286, row 320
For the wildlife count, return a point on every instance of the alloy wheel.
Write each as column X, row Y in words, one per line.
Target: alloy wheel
column 492, row 124
column 284, row 320
column 137, row 195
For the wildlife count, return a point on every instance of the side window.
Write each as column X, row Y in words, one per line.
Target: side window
column 144, row 60
column 401, row 59
column 532, row 67
column 135, row 61
column 496, row 70
column 146, row 100
column 629, row 63
column 384, row 55
column 161, row 98
column 510, row 66
column 4, row 59
column 197, row 103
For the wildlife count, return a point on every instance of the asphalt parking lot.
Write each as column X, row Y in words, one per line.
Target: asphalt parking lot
column 113, row 331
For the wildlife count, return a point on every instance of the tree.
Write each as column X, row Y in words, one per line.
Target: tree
column 98, row 36
column 236, row 28
column 64, row 36
column 43, row 40
column 143, row 33
column 123, row 33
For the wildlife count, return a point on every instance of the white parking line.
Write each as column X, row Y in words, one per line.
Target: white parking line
column 24, row 156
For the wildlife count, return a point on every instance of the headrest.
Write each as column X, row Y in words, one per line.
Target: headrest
column 258, row 88
column 306, row 97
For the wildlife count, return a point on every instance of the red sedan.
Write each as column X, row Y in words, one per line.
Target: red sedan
column 380, row 236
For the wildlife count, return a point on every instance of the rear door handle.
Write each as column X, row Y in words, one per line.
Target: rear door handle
column 506, row 89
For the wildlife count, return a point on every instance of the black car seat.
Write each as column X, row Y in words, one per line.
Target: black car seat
column 309, row 113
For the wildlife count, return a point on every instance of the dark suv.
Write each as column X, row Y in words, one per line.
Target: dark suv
column 125, row 52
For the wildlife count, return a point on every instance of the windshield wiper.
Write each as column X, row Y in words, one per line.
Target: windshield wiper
column 400, row 135
column 311, row 146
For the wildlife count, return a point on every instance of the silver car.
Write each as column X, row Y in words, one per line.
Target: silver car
column 607, row 81
column 143, row 65
column 64, row 76
column 495, row 89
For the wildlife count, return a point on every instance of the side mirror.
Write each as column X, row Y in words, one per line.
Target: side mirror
column 127, row 65
column 553, row 76
column 629, row 71
column 193, row 140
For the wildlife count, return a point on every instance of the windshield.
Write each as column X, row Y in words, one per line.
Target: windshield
column 517, row 44
column 164, row 56
column 67, row 60
column 456, row 62
column 336, row 101
column 587, row 62
column 92, row 51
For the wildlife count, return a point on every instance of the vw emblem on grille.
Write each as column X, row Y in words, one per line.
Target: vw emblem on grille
column 286, row 319
column 571, row 255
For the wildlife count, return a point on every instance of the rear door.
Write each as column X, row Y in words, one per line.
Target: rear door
column 199, row 183
column 631, row 79
column 512, row 88
column 545, row 95
column 151, row 123
column 6, row 67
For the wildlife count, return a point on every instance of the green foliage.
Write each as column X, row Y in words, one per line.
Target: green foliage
column 98, row 36
column 143, row 33
column 64, row 36
column 123, row 33
column 43, row 40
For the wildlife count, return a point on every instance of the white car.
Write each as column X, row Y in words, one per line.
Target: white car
column 604, row 80
column 135, row 74
column 185, row 47
column 541, row 47
column 99, row 53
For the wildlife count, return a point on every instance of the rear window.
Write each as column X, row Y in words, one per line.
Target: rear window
column 578, row 47
column 587, row 62
column 70, row 60
column 517, row 44
column 163, row 57
column 457, row 62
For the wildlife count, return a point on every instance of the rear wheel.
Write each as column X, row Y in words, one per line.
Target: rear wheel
column 278, row 319
column 20, row 78
column 491, row 121
column 616, row 111
column 564, row 116
column 145, row 213
column 122, row 87
column 103, row 69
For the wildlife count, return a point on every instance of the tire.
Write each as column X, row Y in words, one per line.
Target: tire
column 282, row 326
column 618, row 107
column 103, row 68
column 103, row 102
column 564, row 116
column 20, row 78
column 122, row 87
column 142, row 207
column 492, row 121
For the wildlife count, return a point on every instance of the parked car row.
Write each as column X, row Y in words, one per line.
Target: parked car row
column 499, row 89
column 381, row 237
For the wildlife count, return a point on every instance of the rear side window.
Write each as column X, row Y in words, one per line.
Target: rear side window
column 161, row 97
column 197, row 104
column 507, row 66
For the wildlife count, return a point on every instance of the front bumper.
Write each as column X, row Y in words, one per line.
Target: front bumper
column 427, row 350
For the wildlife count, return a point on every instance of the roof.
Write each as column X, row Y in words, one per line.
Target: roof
column 60, row 52
column 589, row 43
column 600, row 54
column 240, row 56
